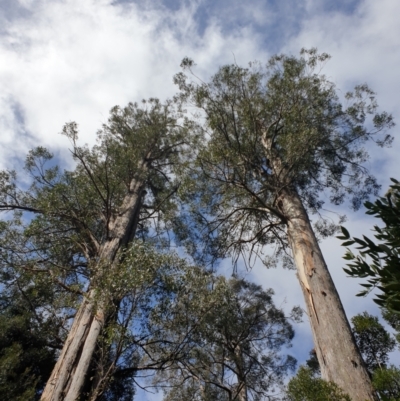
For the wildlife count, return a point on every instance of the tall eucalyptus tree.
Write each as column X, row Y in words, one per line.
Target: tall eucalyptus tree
column 73, row 226
column 279, row 139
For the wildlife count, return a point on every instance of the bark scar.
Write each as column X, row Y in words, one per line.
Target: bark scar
column 308, row 270
column 322, row 354
column 309, row 260
column 311, row 301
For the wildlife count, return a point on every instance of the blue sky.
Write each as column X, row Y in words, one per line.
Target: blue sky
column 72, row 60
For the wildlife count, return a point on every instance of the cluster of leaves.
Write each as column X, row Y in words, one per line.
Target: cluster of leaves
column 387, row 383
column 379, row 261
column 307, row 386
column 383, row 266
column 374, row 342
column 29, row 341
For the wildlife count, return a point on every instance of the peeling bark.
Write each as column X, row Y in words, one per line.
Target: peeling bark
column 337, row 352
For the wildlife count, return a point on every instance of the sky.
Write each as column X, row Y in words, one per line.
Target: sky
column 72, row 60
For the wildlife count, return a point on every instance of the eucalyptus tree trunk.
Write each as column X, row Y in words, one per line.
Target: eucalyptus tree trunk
column 337, row 352
column 70, row 372
column 241, row 375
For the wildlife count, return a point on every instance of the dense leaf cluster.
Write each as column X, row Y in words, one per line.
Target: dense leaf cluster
column 379, row 260
column 374, row 342
column 306, row 386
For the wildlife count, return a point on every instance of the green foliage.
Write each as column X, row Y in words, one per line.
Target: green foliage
column 57, row 221
column 393, row 318
column 305, row 386
column 379, row 260
column 28, row 345
column 313, row 364
column 270, row 129
column 231, row 335
column 387, row 382
column 374, row 342
column 137, row 342
column 61, row 218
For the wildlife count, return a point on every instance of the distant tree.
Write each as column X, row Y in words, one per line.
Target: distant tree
column 279, row 137
column 375, row 344
column 373, row 340
column 379, row 260
column 313, row 364
column 28, row 341
column 231, row 335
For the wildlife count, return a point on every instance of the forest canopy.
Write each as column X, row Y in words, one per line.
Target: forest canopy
column 87, row 259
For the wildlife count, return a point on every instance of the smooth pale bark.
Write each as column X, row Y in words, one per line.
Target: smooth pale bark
column 70, row 372
column 337, row 352
column 64, row 368
column 79, row 376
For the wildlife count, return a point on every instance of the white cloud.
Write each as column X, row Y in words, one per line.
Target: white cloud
column 364, row 48
column 75, row 59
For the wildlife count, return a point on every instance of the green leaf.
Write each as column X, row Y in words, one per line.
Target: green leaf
column 366, row 285
column 348, row 256
column 346, row 234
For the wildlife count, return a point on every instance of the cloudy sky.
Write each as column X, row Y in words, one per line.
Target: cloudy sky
column 72, row 60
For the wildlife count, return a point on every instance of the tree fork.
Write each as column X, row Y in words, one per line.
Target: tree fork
column 70, row 372
column 337, row 352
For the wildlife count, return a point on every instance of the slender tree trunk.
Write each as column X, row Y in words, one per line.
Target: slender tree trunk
column 102, row 367
column 70, row 372
column 241, row 376
column 337, row 352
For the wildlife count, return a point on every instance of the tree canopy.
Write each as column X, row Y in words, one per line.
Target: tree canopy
column 307, row 386
column 85, row 253
column 233, row 336
column 272, row 127
column 374, row 341
column 65, row 229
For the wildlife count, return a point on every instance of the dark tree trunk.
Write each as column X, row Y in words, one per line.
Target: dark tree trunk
column 241, row 375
